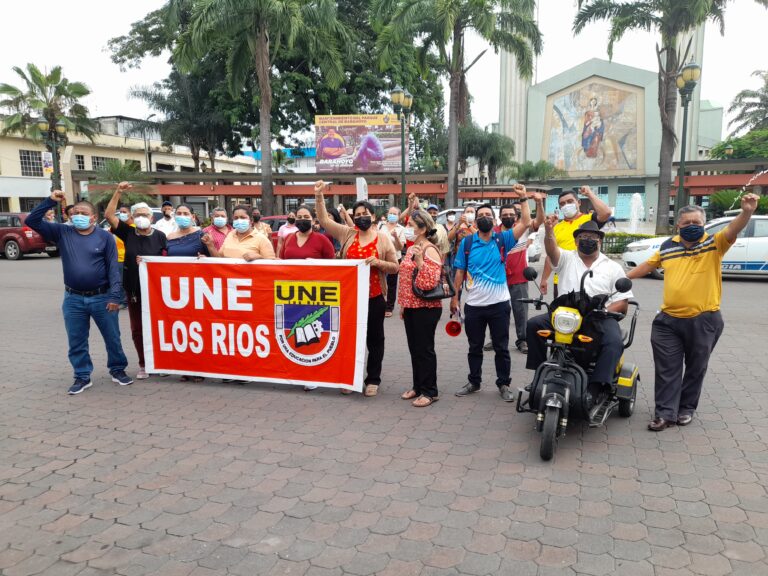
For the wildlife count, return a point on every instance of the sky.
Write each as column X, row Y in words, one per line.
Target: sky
column 84, row 28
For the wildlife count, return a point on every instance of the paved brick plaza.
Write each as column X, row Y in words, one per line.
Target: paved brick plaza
column 173, row 478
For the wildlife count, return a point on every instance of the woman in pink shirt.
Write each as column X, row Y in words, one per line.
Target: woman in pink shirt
column 422, row 265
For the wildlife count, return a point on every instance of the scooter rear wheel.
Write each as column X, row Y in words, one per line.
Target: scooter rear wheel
column 627, row 405
column 549, row 433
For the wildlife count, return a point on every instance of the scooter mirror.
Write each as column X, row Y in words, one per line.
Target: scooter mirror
column 623, row 285
column 530, row 274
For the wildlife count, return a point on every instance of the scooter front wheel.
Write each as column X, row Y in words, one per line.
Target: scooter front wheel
column 627, row 405
column 549, row 433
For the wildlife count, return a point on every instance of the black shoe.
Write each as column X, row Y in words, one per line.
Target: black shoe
column 684, row 420
column 522, row 348
column 529, row 387
column 488, row 347
column 506, row 394
column 659, row 424
column 467, row 389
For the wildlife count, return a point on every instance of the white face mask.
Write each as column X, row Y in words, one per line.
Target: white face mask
column 470, row 217
column 451, row 217
column 142, row 222
column 569, row 210
column 410, row 233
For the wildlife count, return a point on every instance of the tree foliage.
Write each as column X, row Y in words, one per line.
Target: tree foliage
column 114, row 172
column 751, row 107
column 724, row 200
column 753, row 144
column 541, row 171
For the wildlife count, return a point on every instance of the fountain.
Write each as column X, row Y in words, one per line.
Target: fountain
column 636, row 212
column 744, row 188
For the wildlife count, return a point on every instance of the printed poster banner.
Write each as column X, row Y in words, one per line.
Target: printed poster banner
column 288, row 322
column 358, row 143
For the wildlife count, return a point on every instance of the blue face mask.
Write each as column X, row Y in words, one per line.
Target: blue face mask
column 184, row 221
column 692, row 233
column 81, row 221
column 123, row 216
column 241, row 225
column 392, row 218
column 220, row 221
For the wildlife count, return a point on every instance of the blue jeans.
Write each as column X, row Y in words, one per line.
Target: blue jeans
column 78, row 311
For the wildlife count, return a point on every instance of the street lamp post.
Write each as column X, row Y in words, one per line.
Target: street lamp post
column 146, row 142
column 52, row 139
column 686, row 82
column 402, row 100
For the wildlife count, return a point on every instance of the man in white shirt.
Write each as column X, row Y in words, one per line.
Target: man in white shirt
column 570, row 266
column 166, row 224
column 397, row 235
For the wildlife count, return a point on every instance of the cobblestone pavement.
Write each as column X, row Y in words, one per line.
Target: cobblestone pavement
column 173, row 478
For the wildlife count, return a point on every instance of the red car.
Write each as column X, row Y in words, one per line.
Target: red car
column 16, row 240
column 275, row 222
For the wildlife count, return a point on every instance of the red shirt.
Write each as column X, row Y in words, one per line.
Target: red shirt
column 317, row 246
column 357, row 252
column 426, row 279
column 218, row 237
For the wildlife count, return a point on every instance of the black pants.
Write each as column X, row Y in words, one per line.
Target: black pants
column 496, row 318
column 375, row 339
column 420, row 326
column 519, row 310
column 609, row 343
column 677, row 342
column 391, row 291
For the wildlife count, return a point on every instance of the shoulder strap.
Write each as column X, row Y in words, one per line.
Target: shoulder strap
column 500, row 243
column 468, row 241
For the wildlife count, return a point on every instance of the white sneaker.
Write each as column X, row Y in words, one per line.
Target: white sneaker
column 141, row 374
column 309, row 387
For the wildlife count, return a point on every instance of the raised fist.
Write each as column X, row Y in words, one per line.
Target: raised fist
column 123, row 186
column 58, row 196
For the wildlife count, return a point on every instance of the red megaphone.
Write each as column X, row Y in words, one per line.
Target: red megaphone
column 453, row 327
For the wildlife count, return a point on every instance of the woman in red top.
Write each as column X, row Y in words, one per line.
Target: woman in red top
column 421, row 316
column 364, row 242
column 305, row 243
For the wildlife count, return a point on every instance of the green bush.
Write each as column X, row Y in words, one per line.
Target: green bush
column 616, row 242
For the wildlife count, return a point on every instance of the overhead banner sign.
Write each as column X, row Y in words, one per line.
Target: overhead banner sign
column 358, row 143
column 289, row 322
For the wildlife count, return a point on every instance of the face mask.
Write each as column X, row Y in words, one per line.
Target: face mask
column 303, row 225
column 81, row 221
column 484, row 224
column 220, row 221
column 291, row 220
column 470, row 217
column 167, row 215
column 256, row 218
column 142, row 222
column 363, row 222
column 123, row 217
column 587, row 246
column 392, row 218
column 241, row 224
column 452, row 218
column 184, row 221
column 569, row 210
column 410, row 233
column 507, row 222
column 692, row 233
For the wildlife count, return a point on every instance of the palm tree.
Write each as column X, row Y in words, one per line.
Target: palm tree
column 752, row 107
column 115, row 171
column 671, row 19
column 281, row 161
column 50, row 96
column 440, row 26
column 527, row 171
column 256, row 32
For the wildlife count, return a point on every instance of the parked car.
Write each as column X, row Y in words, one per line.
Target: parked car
column 16, row 239
column 442, row 217
column 747, row 257
column 275, row 222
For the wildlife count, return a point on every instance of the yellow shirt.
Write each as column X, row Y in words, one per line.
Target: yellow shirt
column 563, row 232
column 693, row 281
column 263, row 228
column 235, row 246
column 121, row 247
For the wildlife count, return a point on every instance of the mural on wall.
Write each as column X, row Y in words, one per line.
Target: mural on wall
column 595, row 127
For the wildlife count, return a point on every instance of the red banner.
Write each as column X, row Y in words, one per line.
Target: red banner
column 289, row 322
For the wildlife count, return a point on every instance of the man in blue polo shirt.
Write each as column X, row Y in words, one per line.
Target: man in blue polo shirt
column 480, row 270
column 92, row 285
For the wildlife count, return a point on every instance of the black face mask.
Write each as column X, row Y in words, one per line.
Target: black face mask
column 256, row 218
column 507, row 222
column 303, row 225
column 587, row 246
column 291, row 220
column 363, row 222
column 484, row 224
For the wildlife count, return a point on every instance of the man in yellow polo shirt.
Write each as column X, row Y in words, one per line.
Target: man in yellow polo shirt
column 570, row 208
column 686, row 330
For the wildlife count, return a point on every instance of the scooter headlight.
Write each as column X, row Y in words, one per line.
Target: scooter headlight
column 566, row 322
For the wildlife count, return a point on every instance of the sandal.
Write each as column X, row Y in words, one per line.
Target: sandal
column 371, row 390
column 423, row 401
column 408, row 395
column 387, row 314
column 345, row 391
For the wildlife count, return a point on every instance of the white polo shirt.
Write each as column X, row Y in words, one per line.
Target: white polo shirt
column 571, row 268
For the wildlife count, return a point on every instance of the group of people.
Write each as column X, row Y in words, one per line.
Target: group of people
column 410, row 255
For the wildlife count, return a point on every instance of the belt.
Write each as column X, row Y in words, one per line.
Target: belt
column 102, row 290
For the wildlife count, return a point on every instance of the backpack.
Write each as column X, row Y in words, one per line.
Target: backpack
column 468, row 246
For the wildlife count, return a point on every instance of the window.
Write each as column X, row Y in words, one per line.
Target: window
column 624, row 202
column 761, row 228
column 31, row 163
column 5, row 204
column 100, row 162
column 80, row 161
column 5, row 221
column 27, row 204
column 164, row 167
column 134, row 163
